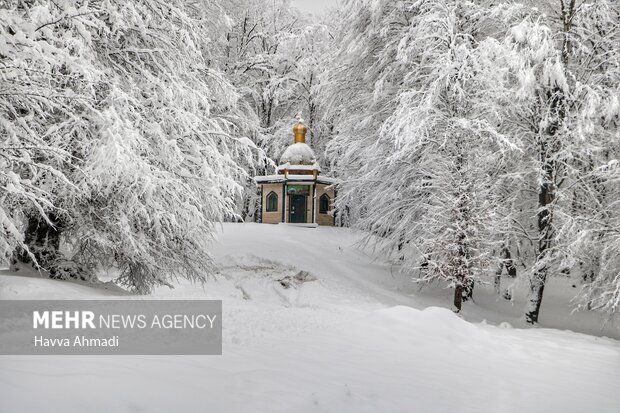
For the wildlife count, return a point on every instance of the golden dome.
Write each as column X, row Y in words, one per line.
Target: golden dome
column 300, row 132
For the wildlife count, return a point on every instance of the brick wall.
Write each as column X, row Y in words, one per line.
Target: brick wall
column 324, row 219
column 272, row 217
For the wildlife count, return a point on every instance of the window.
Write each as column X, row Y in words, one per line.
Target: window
column 272, row 202
column 324, row 204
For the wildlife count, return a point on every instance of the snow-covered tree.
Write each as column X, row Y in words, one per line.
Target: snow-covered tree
column 528, row 97
column 145, row 134
column 46, row 92
column 361, row 86
column 257, row 55
column 564, row 66
column 426, row 178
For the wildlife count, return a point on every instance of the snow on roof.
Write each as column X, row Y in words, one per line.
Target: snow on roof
column 304, row 178
column 313, row 167
column 298, row 154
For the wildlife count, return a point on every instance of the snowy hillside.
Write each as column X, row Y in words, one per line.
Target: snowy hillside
column 313, row 324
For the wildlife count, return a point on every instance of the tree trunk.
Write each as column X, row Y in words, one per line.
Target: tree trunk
column 468, row 289
column 43, row 240
column 537, row 287
column 549, row 147
column 498, row 278
column 546, row 195
column 511, row 269
column 458, row 298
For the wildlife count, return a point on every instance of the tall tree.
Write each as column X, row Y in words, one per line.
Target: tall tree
column 561, row 55
column 130, row 112
column 427, row 179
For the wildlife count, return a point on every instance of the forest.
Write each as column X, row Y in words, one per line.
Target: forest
column 475, row 141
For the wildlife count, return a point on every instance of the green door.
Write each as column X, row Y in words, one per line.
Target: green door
column 297, row 209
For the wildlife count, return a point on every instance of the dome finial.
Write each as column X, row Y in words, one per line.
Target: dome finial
column 300, row 130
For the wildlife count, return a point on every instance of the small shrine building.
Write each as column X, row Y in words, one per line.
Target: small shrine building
column 297, row 193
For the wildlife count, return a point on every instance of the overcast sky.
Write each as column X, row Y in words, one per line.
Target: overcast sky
column 313, row 6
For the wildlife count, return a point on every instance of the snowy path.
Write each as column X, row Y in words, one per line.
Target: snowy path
column 342, row 343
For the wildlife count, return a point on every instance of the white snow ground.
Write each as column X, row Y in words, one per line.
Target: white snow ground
column 358, row 338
